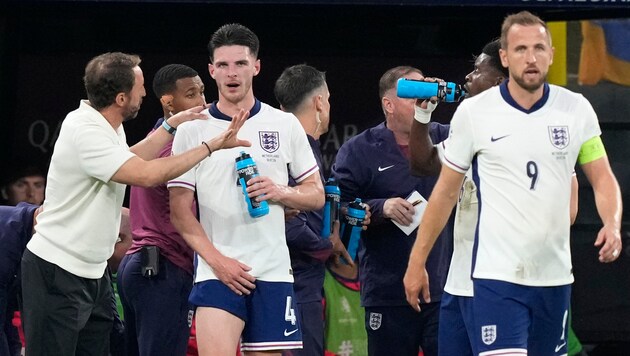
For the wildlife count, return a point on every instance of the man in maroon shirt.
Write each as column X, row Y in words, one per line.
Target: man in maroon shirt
column 155, row 277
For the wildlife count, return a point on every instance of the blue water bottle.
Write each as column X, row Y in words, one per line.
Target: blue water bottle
column 246, row 170
column 418, row 89
column 352, row 226
column 331, row 207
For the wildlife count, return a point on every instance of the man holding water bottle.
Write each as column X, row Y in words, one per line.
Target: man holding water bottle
column 243, row 278
column 374, row 166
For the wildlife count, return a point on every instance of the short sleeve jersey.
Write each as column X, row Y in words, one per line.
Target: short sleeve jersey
column 522, row 162
column 279, row 148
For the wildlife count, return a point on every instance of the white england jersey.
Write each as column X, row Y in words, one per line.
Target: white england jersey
column 279, row 147
column 522, row 164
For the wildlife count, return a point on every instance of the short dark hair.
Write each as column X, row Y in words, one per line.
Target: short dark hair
column 296, row 83
column 523, row 18
column 491, row 49
column 388, row 79
column 107, row 75
column 165, row 80
column 233, row 34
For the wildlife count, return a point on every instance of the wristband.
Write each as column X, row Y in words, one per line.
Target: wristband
column 208, row 147
column 423, row 116
column 170, row 129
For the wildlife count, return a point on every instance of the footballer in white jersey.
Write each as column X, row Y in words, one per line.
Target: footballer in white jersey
column 521, row 140
column 522, row 162
column 279, row 147
column 520, row 159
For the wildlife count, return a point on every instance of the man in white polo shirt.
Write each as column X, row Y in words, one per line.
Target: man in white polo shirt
column 67, row 297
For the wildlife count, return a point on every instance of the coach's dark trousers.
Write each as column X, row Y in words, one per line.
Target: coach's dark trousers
column 64, row 314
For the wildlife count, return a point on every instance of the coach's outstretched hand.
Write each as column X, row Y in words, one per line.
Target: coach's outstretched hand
column 229, row 138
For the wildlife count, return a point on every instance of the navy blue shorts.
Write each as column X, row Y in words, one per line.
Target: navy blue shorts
column 269, row 312
column 516, row 319
column 457, row 325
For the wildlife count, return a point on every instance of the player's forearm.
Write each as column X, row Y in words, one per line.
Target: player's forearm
column 433, row 221
column 424, row 160
column 608, row 201
column 441, row 203
column 606, row 189
column 192, row 232
column 150, row 146
column 309, row 195
column 160, row 170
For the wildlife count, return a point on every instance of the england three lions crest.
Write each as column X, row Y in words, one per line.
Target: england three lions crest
column 269, row 140
column 488, row 334
column 559, row 136
column 375, row 320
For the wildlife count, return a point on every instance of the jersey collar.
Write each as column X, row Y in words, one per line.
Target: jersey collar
column 505, row 93
column 214, row 111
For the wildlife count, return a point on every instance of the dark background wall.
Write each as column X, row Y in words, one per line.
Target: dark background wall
column 44, row 46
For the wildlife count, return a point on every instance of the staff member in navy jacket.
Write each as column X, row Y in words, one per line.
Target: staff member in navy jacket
column 16, row 229
column 374, row 166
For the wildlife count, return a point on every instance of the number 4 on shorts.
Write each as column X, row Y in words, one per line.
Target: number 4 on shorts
column 289, row 313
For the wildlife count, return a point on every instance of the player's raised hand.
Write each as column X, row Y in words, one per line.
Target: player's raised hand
column 229, row 137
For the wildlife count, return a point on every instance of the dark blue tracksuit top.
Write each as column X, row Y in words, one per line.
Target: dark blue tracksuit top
column 16, row 229
column 371, row 166
column 307, row 249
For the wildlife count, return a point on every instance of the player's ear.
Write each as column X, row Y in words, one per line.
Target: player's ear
column 319, row 103
column 167, row 102
column 256, row 67
column 503, row 56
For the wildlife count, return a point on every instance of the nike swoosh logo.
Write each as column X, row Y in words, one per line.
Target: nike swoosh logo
column 494, row 139
column 289, row 333
column 560, row 346
column 380, row 169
